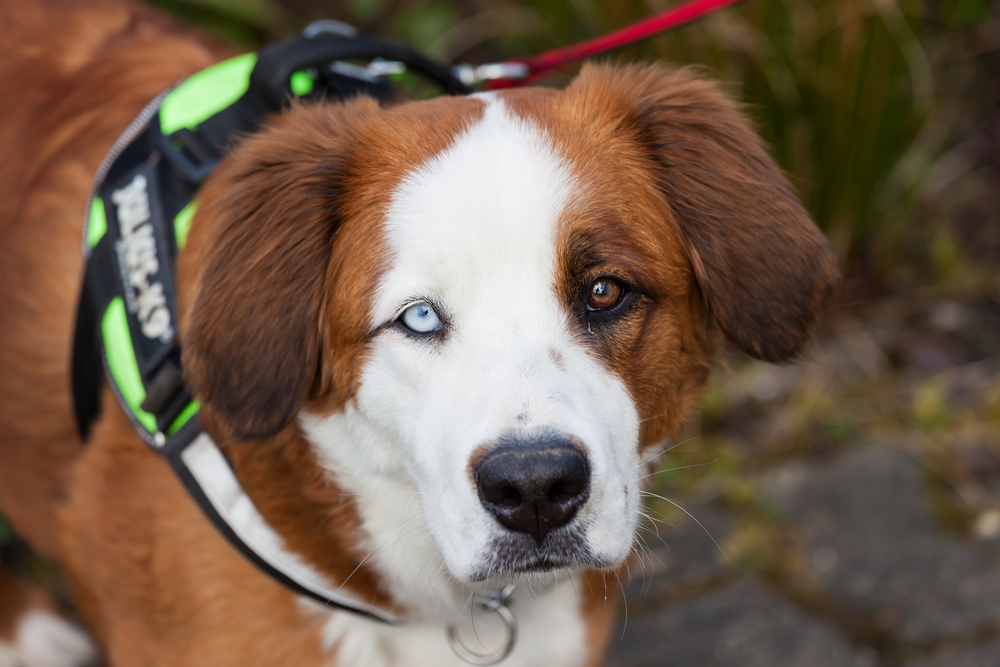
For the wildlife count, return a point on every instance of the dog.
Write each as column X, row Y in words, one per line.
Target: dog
column 438, row 342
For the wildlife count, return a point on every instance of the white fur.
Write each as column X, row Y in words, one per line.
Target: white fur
column 473, row 231
column 550, row 634
column 43, row 639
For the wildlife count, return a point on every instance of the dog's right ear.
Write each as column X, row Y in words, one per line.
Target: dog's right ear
column 255, row 266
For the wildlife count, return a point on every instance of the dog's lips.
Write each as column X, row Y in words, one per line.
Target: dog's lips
column 565, row 550
column 543, row 563
column 538, row 564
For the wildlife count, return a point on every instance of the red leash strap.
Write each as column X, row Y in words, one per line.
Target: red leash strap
column 553, row 61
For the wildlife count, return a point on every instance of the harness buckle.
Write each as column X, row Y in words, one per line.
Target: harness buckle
column 189, row 154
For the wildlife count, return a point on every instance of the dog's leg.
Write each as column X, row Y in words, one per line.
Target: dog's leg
column 33, row 634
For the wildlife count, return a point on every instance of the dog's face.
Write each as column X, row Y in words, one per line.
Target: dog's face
column 486, row 365
column 500, row 304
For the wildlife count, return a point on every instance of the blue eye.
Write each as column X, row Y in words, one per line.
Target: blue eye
column 421, row 318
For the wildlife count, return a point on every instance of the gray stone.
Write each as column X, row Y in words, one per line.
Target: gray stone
column 986, row 654
column 740, row 626
column 876, row 549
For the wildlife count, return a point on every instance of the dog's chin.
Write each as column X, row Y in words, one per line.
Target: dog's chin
column 513, row 557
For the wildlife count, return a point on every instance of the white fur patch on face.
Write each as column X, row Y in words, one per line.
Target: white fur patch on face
column 473, row 233
column 43, row 639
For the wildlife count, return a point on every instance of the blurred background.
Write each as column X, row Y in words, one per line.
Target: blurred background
column 844, row 510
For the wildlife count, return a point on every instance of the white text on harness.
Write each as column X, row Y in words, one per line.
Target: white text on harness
column 136, row 250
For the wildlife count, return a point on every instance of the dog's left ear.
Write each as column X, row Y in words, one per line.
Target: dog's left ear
column 257, row 259
column 764, row 267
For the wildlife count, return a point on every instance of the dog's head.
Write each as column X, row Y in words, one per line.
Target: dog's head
column 497, row 303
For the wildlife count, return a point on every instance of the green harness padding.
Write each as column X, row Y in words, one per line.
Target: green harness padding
column 153, row 241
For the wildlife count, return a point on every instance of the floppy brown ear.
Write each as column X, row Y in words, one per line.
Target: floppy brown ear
column 763, row 266
column 257, row 256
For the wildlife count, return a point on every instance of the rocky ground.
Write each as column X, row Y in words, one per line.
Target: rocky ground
column 841, row 512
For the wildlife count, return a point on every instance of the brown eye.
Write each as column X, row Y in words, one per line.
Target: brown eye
column 605, row 293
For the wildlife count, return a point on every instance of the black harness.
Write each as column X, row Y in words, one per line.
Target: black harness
column 141, row 204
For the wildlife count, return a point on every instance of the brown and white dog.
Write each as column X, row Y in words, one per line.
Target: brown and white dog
column 436, row 342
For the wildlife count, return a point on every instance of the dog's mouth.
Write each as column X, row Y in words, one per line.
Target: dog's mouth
column 562, row 551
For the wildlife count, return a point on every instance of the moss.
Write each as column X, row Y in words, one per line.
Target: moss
column 930, row 405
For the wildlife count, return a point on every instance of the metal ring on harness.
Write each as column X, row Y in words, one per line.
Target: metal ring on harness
column 495, row 602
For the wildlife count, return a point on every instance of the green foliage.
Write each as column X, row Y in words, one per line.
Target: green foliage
column 958, row 13
column 839, row 429
column 840, row 89
column 241, row 22
column 422, row 26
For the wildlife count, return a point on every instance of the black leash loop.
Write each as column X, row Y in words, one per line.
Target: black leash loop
column 271, row 76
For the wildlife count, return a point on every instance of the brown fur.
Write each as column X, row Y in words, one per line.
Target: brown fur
column 274, row 289
column 13, row 602
column 71, row 79
column 764, row 268
column 598, row 597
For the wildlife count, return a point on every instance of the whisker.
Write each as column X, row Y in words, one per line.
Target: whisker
column 401, row 534
column 647, row 493
column 415, row 556
column 652, row 554
column 643, row 558
column 371, row 552
column 468, row 602
column 667, row 450
column 656, row 532
column 693, row 465
column 451, row 591
column 474, row 630
column 662, row 519
column 624, row 602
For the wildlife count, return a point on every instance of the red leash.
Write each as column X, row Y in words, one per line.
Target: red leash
column 523, row 71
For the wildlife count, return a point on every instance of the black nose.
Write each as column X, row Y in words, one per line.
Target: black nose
column 533, row 486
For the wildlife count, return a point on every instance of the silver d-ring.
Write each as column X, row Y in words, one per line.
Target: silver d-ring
column 497, row 604
column 330, row 26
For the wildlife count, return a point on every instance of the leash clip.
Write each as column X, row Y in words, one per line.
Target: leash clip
column 472, row 75
column 495, row 601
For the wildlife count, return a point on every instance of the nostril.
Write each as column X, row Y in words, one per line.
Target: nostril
column 509, row 498
column 559, row 493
